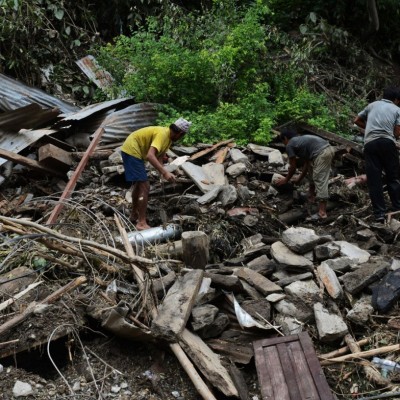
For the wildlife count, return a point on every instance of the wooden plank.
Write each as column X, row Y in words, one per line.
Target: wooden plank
column 32, row 164
column 264, row 378
column 175, row 310
column 210, row 149
column 302, row 373
column 288, row 370
column 278, row 382
column 78, row 171
column 357, row 148
column 208, row 362
column 315, row 367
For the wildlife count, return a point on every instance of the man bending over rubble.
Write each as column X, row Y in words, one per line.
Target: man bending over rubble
column 148, row 144
column 317, row 154
column 381, row 121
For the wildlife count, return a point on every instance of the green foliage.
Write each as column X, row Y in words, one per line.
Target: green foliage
column 44, row 34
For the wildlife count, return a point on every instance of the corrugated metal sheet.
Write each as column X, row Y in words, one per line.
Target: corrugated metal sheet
column 17, row 142
column 28, row 117
column 94, row 72
column 95, row 108
column 119, row 124
column 15, row 94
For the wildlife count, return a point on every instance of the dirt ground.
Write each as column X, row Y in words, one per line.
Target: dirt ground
column 78, row 359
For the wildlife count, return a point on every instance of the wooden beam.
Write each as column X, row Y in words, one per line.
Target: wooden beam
column 210, row 149
column 31, row 164
column 357, row 148
column 72, row 182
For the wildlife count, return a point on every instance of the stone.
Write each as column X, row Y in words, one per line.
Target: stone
column 354, row 282
column 306, row 291
column 203, row 316
column 215, row 172
column 262, row 264
column 294, row 308
column 395, row 264
column 215, row 328
column 326, row 251
column 341, row 264
column 209, row 196
column 289, row 325
column 353, row 252
column 275, row 297
column 22, row 389
column 258, row 281
column 255, row 308
column 228, row 195
column 283, row 255
column 330, row 281
column 386, row 292
column 365, row 234
column 299, row 239
column 330, row 326
column 236, row 169
column 361, row 311
column 237, row 156
column 275, row 159
column 294, row 278
column 260, row 150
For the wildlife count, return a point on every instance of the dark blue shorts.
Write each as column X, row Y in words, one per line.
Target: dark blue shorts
column 135, row 170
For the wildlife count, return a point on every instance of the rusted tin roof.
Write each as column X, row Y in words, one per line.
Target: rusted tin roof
column 119, row 124
column 15, row 94
column 95, row 108
column 94, row 72
column 29, row 117
column 17, row 142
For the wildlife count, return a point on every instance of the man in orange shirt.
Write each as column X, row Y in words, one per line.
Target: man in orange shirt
column 148, row 144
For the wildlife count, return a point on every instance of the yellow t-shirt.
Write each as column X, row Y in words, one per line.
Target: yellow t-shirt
column 138, row 143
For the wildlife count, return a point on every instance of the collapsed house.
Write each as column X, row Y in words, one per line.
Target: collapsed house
column 230, row 276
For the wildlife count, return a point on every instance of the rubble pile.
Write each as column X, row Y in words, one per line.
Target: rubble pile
column 230, row 260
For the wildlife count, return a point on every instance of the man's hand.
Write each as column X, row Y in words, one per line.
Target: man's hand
column 168, row 176
column 281, row 181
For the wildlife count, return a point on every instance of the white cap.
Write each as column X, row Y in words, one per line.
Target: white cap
column 183, row 124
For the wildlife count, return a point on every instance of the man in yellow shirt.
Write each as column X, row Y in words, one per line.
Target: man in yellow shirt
column 148, row 144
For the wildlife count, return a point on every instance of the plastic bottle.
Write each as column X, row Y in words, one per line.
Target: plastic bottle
column 386, row 365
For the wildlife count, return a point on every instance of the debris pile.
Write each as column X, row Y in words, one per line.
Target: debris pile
column 230, row 261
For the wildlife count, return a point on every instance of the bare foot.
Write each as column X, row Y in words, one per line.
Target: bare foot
column 133, row 218
column 142, row 226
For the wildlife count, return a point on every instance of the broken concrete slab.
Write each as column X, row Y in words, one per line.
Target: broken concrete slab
column 198, row 176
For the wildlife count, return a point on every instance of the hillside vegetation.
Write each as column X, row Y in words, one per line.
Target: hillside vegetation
column 235, row 68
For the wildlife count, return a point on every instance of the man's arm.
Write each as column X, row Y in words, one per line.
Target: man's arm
column 359, row 122
column 304, row 171
column 155, row 162
column 291, row 171
column 396, row 131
